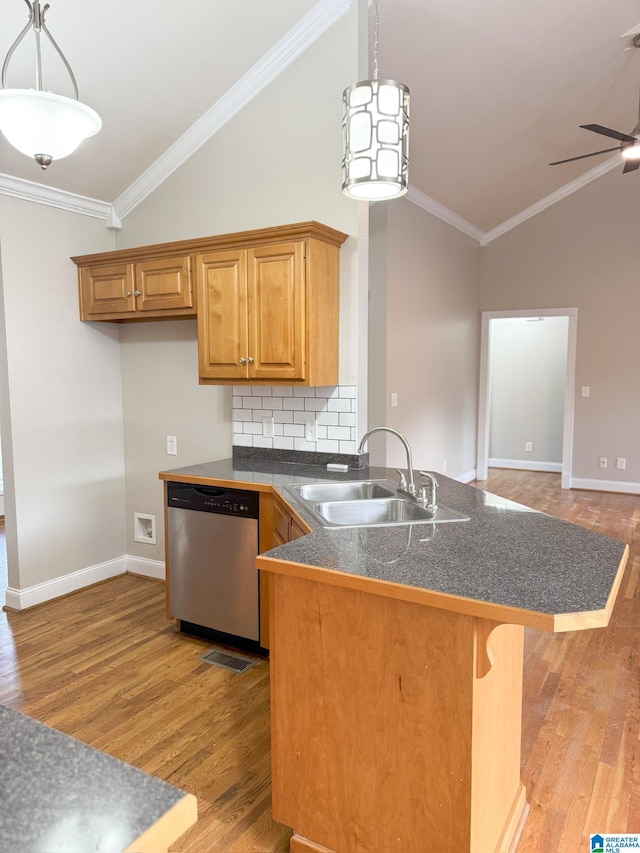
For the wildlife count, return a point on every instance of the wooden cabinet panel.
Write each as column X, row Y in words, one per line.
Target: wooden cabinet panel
column 222, row 319
column 164, row 284
column 276, row 290
column 107, row 289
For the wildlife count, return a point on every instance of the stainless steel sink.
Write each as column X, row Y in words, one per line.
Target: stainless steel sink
column 383, row 511
column 351, row 490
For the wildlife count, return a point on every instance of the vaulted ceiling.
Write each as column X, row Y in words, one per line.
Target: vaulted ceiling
column 498, row 89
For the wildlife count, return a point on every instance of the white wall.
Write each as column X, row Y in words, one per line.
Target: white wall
column 275, row 162
column 424, row 337
column 61, row 401
column 584, row 252
column 528, row 367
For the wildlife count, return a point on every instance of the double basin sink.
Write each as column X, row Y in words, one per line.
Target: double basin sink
column 366, row 503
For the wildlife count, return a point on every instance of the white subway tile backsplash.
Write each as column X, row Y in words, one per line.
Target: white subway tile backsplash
column 282, row 443
column 315, row 404
column 292, row 403
column 348, row 447
column 332, row 408
column 328, row 446
column 339, row 405
column 328, row 418
column 262, row 441
column 295, row 430
column 339, row 432
column 243, row 440
column 348, row 391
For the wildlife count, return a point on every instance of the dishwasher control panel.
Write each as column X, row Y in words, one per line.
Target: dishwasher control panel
column 221, row 501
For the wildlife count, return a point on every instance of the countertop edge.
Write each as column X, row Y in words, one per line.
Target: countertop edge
column 165, row 831
column 417, row 595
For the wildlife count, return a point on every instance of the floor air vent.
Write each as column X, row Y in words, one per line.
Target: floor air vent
column 232, row 662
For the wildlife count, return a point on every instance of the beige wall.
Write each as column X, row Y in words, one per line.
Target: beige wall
column 61, row 401
column 584, row 252
column 275, row 162
column 424, row 337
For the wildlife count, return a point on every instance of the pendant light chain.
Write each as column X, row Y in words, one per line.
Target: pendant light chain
column 376, row 24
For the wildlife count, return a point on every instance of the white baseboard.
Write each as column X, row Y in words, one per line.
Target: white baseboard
column 468, row 477
column 21, row 599
column 146, row 568
column 605, row 486
column 526, row 465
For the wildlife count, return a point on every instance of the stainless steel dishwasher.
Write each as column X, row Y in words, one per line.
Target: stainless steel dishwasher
column 213, row 545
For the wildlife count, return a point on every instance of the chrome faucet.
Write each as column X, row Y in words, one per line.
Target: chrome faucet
column 427, row 495
column 407, row 489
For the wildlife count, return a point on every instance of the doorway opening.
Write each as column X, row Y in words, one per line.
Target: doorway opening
column 484, row 404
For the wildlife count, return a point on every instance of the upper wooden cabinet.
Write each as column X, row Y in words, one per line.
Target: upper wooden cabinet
column 116, row 288
column 269, row 307
column 267, row 300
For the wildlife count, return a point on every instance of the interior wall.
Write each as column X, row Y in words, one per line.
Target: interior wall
column 61, row 405
column 528, row 367
column 277, row 161
column 584, row 252
column 429, row 295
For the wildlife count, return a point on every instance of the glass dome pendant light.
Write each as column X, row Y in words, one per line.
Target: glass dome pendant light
column 42, row 124
column 375, row 129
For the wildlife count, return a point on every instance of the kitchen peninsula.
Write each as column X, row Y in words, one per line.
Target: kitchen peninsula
column 396, row 664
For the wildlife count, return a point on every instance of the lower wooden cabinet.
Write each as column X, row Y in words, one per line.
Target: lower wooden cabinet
column 278, row 525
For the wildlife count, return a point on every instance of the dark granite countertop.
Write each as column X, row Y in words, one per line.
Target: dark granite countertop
column 506, row 554
column 58, row 795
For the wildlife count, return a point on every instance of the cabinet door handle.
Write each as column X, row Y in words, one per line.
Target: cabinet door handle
column 137, row 293
column 250, row 360
column 127, row 293
column 243, row 361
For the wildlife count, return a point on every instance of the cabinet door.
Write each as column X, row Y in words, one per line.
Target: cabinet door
column 164, row 284
column 222, row 314
column 276, row 285
column 107, row 289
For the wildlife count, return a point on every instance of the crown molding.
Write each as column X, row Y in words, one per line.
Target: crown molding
column 550, row 200
column 295, row 42
column 442, row 212
column 41, row 194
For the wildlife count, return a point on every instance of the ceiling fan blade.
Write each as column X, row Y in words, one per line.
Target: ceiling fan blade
column 582, row 156
column 631, row 166
column 634, row 31
column 607, row 131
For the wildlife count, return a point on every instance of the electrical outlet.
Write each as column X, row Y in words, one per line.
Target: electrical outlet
column 310, row 430
column 394, row 399
column 586, row 391
column 621, row 463
column 602, row 462
column 528, row 447
column 267, row 427
column 172, row 445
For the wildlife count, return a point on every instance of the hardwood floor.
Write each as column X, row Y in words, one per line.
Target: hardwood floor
column 105, row 666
